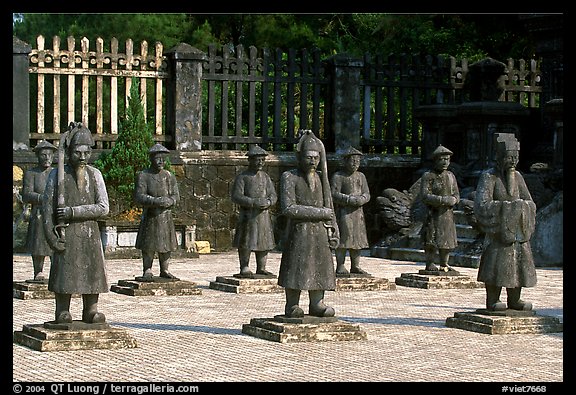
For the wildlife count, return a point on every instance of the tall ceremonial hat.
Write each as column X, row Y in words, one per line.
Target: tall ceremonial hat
column 158, row 149
column 309, row 142
column 506, row 142
column 441, row 150
column 256, row 150
column 78, row 134
column 351, row 151
column 43, row 144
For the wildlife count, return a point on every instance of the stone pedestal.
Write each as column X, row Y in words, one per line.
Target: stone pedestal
column 32, row 289
column 437, row 279
column 73, row 336
column 362, row 282
column 256, row 283
column 306, row 329
column 159, row 286
column 504, row 322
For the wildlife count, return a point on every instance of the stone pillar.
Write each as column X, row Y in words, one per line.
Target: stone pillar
column 345, row 101
column 554, row 111
column 20, row 94
column 184, row 94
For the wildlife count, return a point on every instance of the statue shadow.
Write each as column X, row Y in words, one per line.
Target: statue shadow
column 178, row 327
column 423, row 322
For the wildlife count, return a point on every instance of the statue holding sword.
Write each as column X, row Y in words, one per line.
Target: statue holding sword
column 75, row 197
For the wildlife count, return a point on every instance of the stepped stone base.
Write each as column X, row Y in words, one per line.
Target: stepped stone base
column 159, row 286
column 258, row 283
column 362, row 282
column 306, row 329
column 32, row 289
column 504, row 322
column 442, row 280
column 74, row 336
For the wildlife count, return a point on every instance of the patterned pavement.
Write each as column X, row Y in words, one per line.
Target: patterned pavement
column 198, row 338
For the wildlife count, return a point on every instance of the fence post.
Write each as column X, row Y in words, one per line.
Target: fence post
column 184, row 97
column 20, row 94
column 345, row 104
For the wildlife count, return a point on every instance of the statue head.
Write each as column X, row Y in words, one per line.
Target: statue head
column 158, row 154
column 352, row 158
column 309, row 151
column 45, row 153
column 79, row 144
column 441, row 157
column 256, row 158
column 507, row 150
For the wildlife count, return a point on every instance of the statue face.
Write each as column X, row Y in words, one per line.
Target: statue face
column 352, row 163
column 441, row 162
column 45, row 157
column 309, row 160
column 508, row 160
column 158, row 161
column 79, row 155
column 256, row 163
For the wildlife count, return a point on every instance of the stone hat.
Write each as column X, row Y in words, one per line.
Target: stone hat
column 78, row 134
column 309, row 142
column 441, row 150
column 351, row 151
column 506, row 142
column 256, row 150
column 44, row 144
column 158, row 149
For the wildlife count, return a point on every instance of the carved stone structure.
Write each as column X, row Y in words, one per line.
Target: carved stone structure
column 470, row 126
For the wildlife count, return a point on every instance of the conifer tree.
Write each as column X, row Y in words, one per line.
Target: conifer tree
column 128, row 156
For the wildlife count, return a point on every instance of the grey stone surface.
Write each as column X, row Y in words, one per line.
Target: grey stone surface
column 198, row 338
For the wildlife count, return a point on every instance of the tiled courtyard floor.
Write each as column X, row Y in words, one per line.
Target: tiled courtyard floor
column 198, row 338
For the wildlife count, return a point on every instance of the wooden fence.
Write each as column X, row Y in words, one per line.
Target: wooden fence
column 252, row 96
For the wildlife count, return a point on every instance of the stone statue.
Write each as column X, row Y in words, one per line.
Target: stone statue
column 350, row 192
column 253, row 191
column 156, row 190
column 32, row 192
column 311, row 230
column 74, row 199
column 439, row 193
column 504, row 208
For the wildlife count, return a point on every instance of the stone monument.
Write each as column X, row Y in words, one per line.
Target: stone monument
column 254, row 193
column 156, row 190
column 350, row 193
column 311, row 234
column 74, row 199
column 505, row 209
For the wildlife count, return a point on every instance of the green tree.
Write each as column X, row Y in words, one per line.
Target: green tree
column 129, row 155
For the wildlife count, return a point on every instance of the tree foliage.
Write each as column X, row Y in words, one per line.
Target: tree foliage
column 129, row 155
column 473, row 36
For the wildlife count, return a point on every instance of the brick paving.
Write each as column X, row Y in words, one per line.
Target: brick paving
column 198, row 338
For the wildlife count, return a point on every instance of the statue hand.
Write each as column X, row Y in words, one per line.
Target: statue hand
column 261, row 203
column 164, row 202
column 63, row 214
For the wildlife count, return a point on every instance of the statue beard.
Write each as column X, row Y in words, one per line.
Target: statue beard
column 311, row 178
column 511, row 182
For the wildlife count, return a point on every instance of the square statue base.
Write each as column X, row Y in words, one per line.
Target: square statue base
column 257, row 283
column 77, row 335
column 437, row 280
column 362, row 282
column 282, row 329
column 32, row 289
column 504, row 322
column 159, row 286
